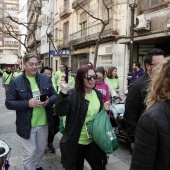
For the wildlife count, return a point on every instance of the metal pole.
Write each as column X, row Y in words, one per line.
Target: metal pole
column 49, row 55
column 132, row 6
column 131, row 39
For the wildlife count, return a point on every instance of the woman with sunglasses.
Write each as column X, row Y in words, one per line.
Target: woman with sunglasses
column 80, row 106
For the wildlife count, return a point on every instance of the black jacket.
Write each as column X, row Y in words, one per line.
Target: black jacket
column 75, row 107
column 18, row 96
column 134, row 105
column 152, row 140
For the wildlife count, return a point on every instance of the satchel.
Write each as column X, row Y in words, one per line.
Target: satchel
column 102, row 132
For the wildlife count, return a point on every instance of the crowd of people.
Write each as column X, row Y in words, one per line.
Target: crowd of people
column 80, row 99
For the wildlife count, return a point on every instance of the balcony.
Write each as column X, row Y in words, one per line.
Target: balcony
column 12, row 2
column 11, row 28
column 65, row 10
column 11, row 46
column 91, row 33
column 64, row 43
column 81, row 2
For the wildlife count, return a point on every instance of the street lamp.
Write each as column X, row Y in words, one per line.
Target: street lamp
column 49, row 40
column 132, row 5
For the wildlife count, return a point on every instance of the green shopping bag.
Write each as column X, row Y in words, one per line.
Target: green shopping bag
column 61, row 125
column 102, row 132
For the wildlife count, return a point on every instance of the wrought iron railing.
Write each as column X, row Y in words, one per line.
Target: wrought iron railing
column 64, row 9
column 74, row 4
column 92, row 32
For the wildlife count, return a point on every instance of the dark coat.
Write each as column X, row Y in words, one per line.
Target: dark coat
column 137, row 74
column 18, row 96
column 134, row 105
column 152, row 140
column 75, row 107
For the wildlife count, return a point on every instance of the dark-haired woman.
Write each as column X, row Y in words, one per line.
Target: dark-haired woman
column 101, row 85
column 48, row 71
column 80, row 105
column 113, row 78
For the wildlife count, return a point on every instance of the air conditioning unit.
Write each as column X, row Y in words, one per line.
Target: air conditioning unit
column 142, row 23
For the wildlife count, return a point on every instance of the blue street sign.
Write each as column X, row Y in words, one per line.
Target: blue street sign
column 60, row 52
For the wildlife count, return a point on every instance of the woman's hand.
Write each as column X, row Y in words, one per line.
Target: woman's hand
column 64, row 86
column 107, row 105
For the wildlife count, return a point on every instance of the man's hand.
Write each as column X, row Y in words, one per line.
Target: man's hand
column 35, row 103
column 44, row 104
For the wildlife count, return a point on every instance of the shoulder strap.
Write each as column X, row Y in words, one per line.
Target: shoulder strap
column 7, row 78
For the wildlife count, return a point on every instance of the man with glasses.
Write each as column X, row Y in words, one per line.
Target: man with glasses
column 137, row 93
column 32, row 96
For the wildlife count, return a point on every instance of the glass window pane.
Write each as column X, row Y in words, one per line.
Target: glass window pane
column 144, row 4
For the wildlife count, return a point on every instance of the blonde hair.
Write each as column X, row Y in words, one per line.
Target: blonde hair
column 159, row 89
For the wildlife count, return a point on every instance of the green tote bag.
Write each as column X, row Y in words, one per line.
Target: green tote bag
column 102, row 132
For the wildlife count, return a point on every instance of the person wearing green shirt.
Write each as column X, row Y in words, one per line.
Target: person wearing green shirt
column 6, row 78
column 58, row 76
column 32, row 96
column 80, row 105
column 113, row 78
column 71, row 80
column 1, row 72
column 17, row 72
column 48, row 71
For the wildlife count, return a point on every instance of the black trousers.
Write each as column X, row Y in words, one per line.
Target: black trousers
column 96, row 158
column 56, row 121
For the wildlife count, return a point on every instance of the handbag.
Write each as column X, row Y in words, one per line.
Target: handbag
column 61, row 126
column 102, row 132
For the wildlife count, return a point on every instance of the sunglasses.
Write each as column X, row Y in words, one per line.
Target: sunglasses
column 89, row 77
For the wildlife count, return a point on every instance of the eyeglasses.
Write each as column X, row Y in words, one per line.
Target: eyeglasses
column 89, row 77
column 154, row 64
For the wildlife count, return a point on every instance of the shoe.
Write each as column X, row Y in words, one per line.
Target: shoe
column 51, row 148
column 40, row 168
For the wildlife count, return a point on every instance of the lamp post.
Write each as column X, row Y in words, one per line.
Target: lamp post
column 132, row 5
column 49, row 39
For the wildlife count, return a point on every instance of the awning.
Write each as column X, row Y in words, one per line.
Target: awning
column 153, row 38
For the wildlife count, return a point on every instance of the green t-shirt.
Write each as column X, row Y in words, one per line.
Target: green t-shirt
column 39, row 114
column 7, row 77
column 53, row 83
column 17, row 74
column 58, row 76
column 93, row 110
column 71, row 82
column 115, row 83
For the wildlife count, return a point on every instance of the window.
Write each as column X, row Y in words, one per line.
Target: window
column 66, row 32
column 83, row 26
column 83, row 23
column 9, row 6
column 145, row 4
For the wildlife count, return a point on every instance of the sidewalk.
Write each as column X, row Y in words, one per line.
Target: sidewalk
column 50, row 161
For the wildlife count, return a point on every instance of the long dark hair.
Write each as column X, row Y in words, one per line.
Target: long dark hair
column 79, row 82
